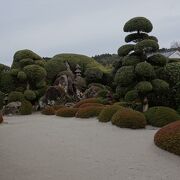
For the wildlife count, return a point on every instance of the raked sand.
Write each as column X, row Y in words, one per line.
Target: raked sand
column 39, row 147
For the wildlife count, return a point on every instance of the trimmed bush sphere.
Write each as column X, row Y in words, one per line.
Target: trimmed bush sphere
column 57, row 107
column 29, row 95
column 107, row 113
column 67, row 112
column 128, row 118
column 160, row 116
column 88, row 112
column 168, row 138
column 15, row 96
column 144, row 87
column 26, row 108
column 48, row 110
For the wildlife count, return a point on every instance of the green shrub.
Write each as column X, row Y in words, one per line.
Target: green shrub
column 29, row 95
column 107, row 113
column 145, row 69
column 168, row 138
column 48, row 110
column 130, row 60
column 88, row 112
column 93, row 75
column 89, row 100
column 125, row 75
column 67, row 112
column 1, row 118
column 2, row 96
column 160, row 116
column 15, row 96
column 57, row 107
column 90, row 105
column 138, row 24
column 157, row 60
column 26, row 108
column 160, row 86
column 35, row 73
column 128, row 118
column 144, row 87
column 135, row 37
column 125, row 49
column 21, row 76
column 26, row 62
column 103, row 93
column 131, row 96
column 14, row 72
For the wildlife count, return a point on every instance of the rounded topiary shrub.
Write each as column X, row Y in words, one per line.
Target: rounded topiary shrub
column 128, row 118
column 29, row 95
column 88, row 112
column 67, row 112
column 21, row 76
column 168, row 138
column 91, row 105
column 160, row 116
column 57, row 107
column 26, row 108
column 131, row 95
column 2, row 96
column 15, row 96
column 48, row 110
column 144, row 87
column 89, row 100
column 107, row 113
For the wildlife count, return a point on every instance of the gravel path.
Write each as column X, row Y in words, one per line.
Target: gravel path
column 40, row 147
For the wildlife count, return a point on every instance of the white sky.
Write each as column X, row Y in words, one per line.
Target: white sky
column 88, row 27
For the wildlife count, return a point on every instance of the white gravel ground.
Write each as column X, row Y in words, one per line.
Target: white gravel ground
column 39, row 147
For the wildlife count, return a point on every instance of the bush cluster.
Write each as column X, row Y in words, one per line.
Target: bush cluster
column 26, row 108
column 15, row 96
column 90, row 105
column 1, row 118
column 160, row 116
column 89, row 100
column 128, row 118
column 67, row 112
column 168, row 138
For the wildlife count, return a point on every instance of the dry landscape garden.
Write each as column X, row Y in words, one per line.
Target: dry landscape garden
column 72, row 117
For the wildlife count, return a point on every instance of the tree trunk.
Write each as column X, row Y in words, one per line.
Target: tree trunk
column 145, row 104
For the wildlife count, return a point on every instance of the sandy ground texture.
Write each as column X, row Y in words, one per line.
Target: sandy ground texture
column 40, row 147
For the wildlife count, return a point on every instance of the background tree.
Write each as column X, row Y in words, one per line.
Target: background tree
column 137, row 78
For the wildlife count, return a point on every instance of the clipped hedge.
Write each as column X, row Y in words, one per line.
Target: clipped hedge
column 160, row 116
column 1, row 118
column 67, row 112
column 107, row 113
column 90, row 105
column 168, row 138
column 89, row 100
column 128, row 118
column 26, row 108
column 88, row 112
column 57, row 107
column 29, row 95
column 48, row 110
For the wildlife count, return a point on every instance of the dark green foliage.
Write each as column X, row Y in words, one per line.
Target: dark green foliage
column 128, row 118
column 15, row 96
column 160, row 116
column 157, row 60
column 41, row 84
column 103, row 93
column 26, row 108
column 93, row 75
column 67, row 112
column 152, row 38
column 147, row 45
column 80, row 83
column 4, row 68
column 125, row 75
column 135, row 37
column 26, row 62
column 107, row 113
column 24, row 54
column 145, row 69
column 40, row 63
column 7, row 83
column 138, row 24
column 131, row 60
column 2, row 96
column 131, row 96
column 160, row 86
column 21, row 76
column 121, row 91
column 125, row 50
column 14, row 72
column 35, row 73
column 29, row 95
column 144, row 87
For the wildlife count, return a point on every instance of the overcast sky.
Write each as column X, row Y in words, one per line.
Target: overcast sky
column 88, row 27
